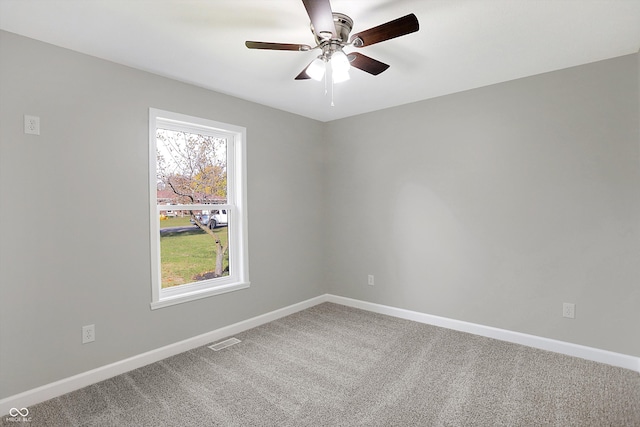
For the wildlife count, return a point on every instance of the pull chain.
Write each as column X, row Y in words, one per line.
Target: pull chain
column 332, row 104
column 325, row 84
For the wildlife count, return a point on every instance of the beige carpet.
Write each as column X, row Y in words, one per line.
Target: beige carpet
column 332, row 365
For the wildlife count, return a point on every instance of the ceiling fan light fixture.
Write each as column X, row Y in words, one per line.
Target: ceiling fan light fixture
column 316, row 69
column 340, row 76
column 339, row 62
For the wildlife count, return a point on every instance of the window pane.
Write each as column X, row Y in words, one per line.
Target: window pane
column 191, row 169
column 189, row 253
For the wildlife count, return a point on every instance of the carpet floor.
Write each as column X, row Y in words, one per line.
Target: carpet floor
column 332, row 365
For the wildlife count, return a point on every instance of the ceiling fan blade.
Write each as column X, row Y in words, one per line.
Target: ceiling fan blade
column 365, row 63
column 398, row 27
column 303, row 74
column 277, row 46
column 321, row 16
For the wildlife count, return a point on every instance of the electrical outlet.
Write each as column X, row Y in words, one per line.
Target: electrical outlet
column 370, row 280
column 88, row 333
column 569, row 310
column 32, row 125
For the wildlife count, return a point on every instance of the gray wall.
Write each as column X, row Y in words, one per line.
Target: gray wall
column 496, row 205
column 74, row 221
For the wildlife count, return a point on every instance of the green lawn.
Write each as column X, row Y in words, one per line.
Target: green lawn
column 175, row 222
column 188, row 253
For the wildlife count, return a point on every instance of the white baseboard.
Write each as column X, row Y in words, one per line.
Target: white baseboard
column 66, row 385
column 584, row 352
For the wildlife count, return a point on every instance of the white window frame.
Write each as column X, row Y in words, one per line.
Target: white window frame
column 238, row 277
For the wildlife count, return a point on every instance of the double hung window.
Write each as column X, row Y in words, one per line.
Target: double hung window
column 197, row 207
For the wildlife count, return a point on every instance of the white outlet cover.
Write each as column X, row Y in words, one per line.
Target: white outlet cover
column 569, row 310
column 32, row 125
column 88, row 334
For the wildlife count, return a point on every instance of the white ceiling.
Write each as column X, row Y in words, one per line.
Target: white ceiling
column 462, row 44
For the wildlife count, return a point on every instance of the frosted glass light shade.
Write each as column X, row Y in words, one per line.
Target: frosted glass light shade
column 339, row 62
column 316, row 69
column 340, row 76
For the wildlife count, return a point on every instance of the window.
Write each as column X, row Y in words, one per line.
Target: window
column 197, row 178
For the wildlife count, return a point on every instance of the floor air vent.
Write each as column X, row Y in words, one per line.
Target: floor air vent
column 224, row 344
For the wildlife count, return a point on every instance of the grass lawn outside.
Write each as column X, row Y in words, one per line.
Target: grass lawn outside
column 186, row 254
column 175, row 222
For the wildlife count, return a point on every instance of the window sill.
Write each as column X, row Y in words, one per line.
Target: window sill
column 195, row 295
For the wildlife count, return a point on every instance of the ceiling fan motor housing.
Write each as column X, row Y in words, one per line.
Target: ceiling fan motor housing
column 343, row 24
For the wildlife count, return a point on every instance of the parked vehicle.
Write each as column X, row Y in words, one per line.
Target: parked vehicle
column 218, row 217
column 212, row 218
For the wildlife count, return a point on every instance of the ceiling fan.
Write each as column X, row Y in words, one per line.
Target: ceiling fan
column 331, row 31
